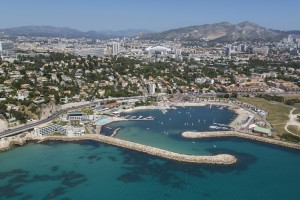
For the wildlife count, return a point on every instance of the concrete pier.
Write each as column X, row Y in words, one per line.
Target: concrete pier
column 115, row 132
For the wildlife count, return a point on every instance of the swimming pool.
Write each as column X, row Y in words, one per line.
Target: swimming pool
column 102, row 121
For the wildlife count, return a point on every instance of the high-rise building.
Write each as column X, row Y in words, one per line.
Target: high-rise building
column 243, row 48
column 49, row 41
column 178, row 52
column 115, row 48
column 7, row 49
column 228, row 50
column 151, row 88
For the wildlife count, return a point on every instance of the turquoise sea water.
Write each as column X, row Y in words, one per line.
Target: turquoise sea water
column 90, row 170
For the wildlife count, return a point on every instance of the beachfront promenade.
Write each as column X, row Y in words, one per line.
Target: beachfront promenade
column 222, row 159
column 215, row 134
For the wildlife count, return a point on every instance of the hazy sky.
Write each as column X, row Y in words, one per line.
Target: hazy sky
column 153, row 15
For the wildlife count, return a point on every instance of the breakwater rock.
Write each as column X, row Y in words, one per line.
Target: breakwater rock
column 214, row 134
column 222, row 159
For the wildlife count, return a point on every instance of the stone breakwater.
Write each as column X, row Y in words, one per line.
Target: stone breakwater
column 214, row 134
column 221, row 159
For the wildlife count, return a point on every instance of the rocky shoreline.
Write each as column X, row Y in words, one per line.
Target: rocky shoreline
column 214, row 134
column 222, row 159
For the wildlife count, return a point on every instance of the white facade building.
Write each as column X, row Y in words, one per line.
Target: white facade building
column 151, row 88
column 50, row 129
column 158, row 50
column 115, row 48
column 7, row 49
column 261, row 50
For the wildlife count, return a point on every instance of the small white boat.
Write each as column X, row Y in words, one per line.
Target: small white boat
column 215, row 146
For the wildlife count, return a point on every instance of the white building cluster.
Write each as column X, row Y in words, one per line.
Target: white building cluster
column 7, row 49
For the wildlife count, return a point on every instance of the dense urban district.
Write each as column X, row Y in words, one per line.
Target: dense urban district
column 41, row 74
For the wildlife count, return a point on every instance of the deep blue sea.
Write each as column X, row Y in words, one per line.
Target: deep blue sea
column 91, row 170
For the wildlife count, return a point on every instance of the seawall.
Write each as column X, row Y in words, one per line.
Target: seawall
column 221, row 159
column 214, row 134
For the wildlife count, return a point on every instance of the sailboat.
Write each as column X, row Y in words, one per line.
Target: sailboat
column 215, row 146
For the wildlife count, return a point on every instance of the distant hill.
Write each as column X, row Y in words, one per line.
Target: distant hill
column 50, row 31
column 223, row 32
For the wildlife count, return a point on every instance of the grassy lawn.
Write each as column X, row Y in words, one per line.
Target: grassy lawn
column 87, row 130
column 290, row 96
column 296, row 111
column 278, row 112
column 294, row 129
column 56, row 134
column 87, row 111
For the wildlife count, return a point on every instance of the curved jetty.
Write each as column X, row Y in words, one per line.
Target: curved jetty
column 214, row 134
column 223, row 159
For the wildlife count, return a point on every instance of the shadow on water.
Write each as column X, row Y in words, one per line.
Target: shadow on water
column 17, row 178
column 54, row 168
column 244, row 160
column 140, row 167
column 55, row 193
column 27, row 197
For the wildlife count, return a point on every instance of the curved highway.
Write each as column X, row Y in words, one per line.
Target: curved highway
column 26, row 127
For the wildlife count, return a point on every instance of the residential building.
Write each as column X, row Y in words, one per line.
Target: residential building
column 77, row 116
column 151, row 88
column 115, row 48
column 7, row 49
column 22, row 94
column 50, row 129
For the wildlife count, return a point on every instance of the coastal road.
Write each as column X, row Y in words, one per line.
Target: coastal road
column 27, row 127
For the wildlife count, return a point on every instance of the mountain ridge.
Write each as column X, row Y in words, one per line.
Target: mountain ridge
column 220, row 32
column 52, row 31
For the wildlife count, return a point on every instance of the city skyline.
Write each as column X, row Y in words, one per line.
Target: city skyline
column 155, row 15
